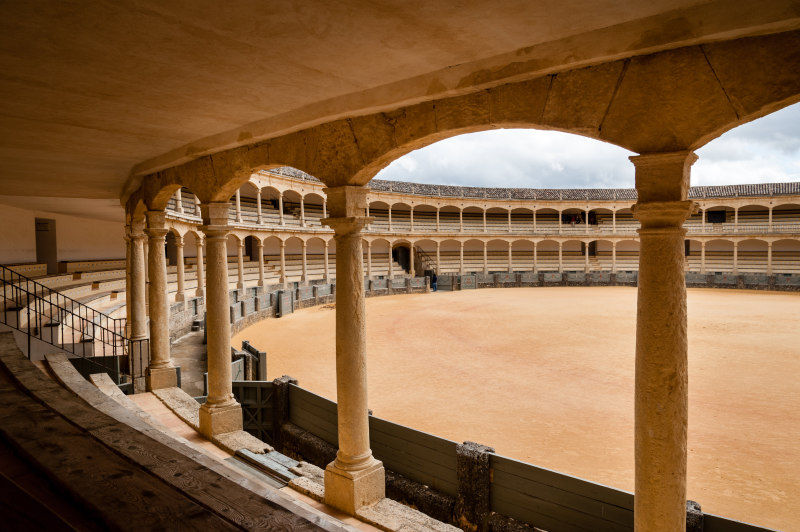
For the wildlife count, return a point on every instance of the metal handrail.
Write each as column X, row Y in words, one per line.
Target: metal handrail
column 73, row 327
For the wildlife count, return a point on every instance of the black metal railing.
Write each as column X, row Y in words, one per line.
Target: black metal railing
column 46, row 315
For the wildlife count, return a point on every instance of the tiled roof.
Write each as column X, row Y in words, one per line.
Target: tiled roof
column 421, row 189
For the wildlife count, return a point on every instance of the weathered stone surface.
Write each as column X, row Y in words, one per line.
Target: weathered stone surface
column 473, row 504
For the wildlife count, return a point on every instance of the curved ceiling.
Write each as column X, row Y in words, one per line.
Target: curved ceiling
column 91, row 92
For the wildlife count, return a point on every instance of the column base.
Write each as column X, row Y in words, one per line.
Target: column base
column 216, row 420
column 350, row 491
column 158, row 378
column 180, row 296
column 240, row 286
column 200, row 293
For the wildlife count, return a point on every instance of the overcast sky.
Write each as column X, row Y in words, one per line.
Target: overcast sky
column 763, row 151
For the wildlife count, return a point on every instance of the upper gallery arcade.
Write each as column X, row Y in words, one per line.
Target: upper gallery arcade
column 137, row 100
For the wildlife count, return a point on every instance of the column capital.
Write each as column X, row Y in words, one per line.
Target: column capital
column 346, row 201
column 347, row 225
column 259, row 243
column 663, row 214
column 663, row 176
column 156, row 219
column 240, row 243
column 215, row 218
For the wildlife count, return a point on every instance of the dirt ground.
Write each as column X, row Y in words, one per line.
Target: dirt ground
column 545, row 375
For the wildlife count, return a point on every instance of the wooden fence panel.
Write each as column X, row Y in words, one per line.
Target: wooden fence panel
column 256, row 400
column 313, row 413
column 557, row 502
column 715, row 523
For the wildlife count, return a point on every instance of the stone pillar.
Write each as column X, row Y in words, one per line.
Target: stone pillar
column 509, row 219
column 735, row 258
column 438, row 259
column 304, row 273
column 703, row 220
column 560, row 262
column 613, row 257
column 510, row 258
column 484, row 221
column 325, row 261
column 534, row 219
column 736, row 219
column 325, row 207
column 474, row 474
column 146, row 264
column 178, row 201
column 769, row 258
column 201, row 281
column 283, row 262
column 128, row 282
column 437, row 219
column 411, row 269
column 160, row 373
column 390, row 217
column 661, row 387
column 586, row 222
column 770, row 218
column 485, row 258
column 559, row 222
column 461, row 258
column 535, row 267
column 238, row 207
column 260, row 252
column 703, row 256
column 239, row 263
column 460, row 219
column 260, row 219
column 302, row 212
column 280, row 207
column 614, row 222
column 586, row 257
column 181, row 295
column 391, row 266
column 138, row 286
column 369, row 260
column 220, row 413
column 412, row 217
column 354, row 479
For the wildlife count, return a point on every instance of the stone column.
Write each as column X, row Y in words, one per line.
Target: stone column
column 484, row 221
column 770, row 219
column 460, row 219
column 146, row 264
column 325, row 207
column 412, row 217
column 586, row 257
column 534, row 219
column 438, row 259
column 702, row 256
column 703, row 220
column 560, row 262
column 661, row 387
column 280, row 207
column 369, row 260
column 769, row 258
column 485, row 258
column 238, row 207
column 614, row 222
column 509, row 219
column 354, row 479
column 128, row 282
column 260, row 219
column 260, row 252
column 411, row 270
column 391, row 266
column 510, row 259
column 240, row 263
column 220, row 413
column 535, row 267
column 437, row 219
column 179, row 201
column 160, row 373
column 325, row 261
column 201, row 280
column 559, row 222
column 613, row 257
column 390, row 217
column 735, row 258
column 461, row 258
column 586, row 222
column 138, row 286
column 302, row 212
column 181, row 295
column 283, row 262
column 304, row 273
column 736, row 219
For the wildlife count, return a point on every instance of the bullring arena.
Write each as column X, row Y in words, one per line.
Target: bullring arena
column 216, row 317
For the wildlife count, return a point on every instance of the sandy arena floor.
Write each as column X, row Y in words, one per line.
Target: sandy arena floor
column 545, row 375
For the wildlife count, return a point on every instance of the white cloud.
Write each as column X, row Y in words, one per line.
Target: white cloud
column 766, row 150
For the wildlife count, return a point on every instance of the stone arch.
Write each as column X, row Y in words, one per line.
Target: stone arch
column 522, row 254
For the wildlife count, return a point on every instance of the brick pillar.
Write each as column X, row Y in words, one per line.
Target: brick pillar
column 473, row 503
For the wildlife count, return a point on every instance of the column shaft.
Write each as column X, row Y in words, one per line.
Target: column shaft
column 138, row 286
column 769, row 258
column 325, row 260
column 304, row 276
column 411, row 269
column 201, row 278
column 283, row 262
column 160, row 373
column 461, row 259
column 260, row 219
column 239, row 264
column 369, row 259
column 260, row 251
column 180, row 296
column 510, row 259
column 238, row 207
column 485, row 258
column 560, row 261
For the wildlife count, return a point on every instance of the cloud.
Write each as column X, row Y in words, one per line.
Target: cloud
column 766, row 150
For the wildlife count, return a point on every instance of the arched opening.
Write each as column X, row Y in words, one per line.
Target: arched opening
column 786, row 256
column 572, row 256
column 786, row 218
column 294, row 259
column 292, row 210
column 449, row 219
column 473, row 219
column 425, row 256
column 496, row 220
column 315, row 259
column 719, row 256
column 401, row 254
column 753, row 219
column 379, row 211
column 473, row 256
column 425, row 219
column 522, row 256
column 547, row 221
column 314, row 211
column 271, row 200
column 751, row 256
column 547, row 256
column 628, row 256
column 272, row 258
column 521, row 219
